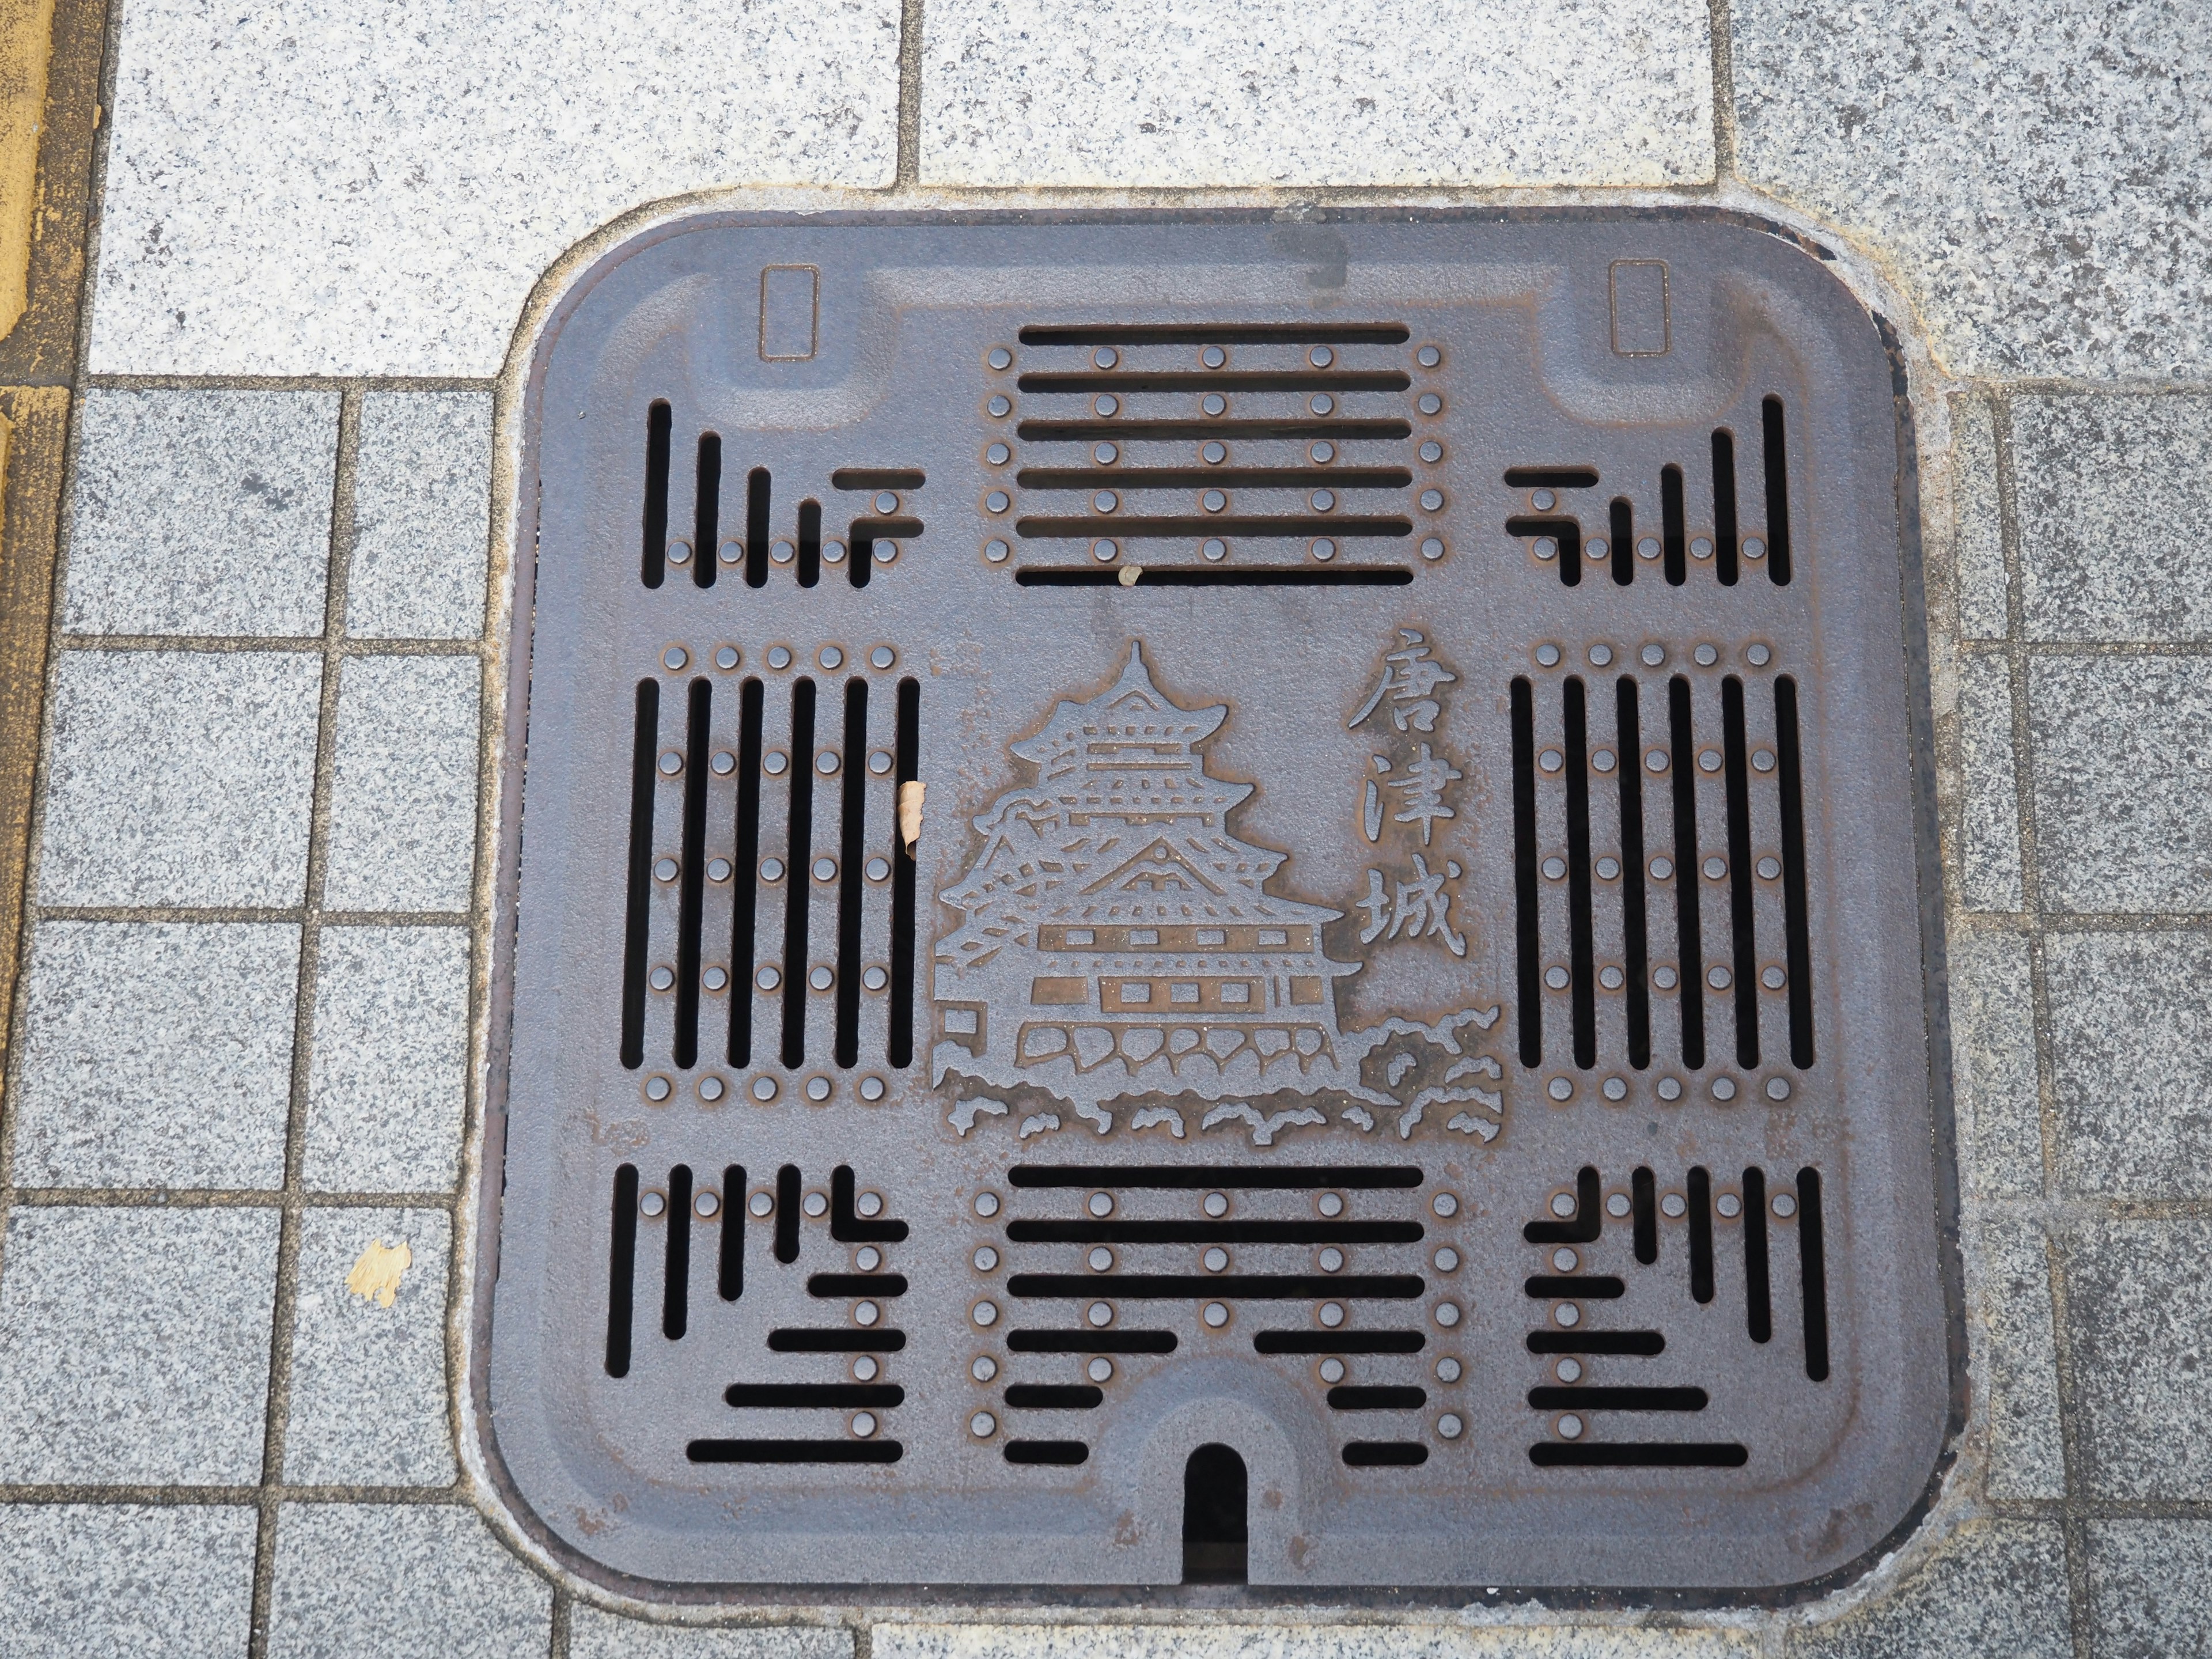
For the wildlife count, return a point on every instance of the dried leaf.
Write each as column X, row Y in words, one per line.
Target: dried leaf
column 376, row 1275
column 910, row 809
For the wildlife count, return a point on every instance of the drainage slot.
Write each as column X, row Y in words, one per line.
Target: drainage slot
column 1689, row 943
column 1087, row 1232
column 1163, row 528
column 1171, row 1176
column 692, row 900
column 1373, row 1398
column 798, row 882
column 1339, row 1342
column 744, row 914
column 786, row 1214
column 811, row 1396
column 1262, row 1287
column 1064, row 1453
column 852, row 858
column 1091, row 1341
column 790, row 1341
column 1641, row 1345
column 676, row 1286
column 757, row 528
column 1566, row 534
column 1385, row 1455
column 637, row 927
column 1778, row 493
column 1054, row 1397
column 729, row 1270
column 1758, row 1292
column 1638, row 1454
column 878, row 478
column 1248, row 379
column 621, row 1269
column 1550, row 477
column 706, row 510
column 1635, row 933
column 1214, row 333
column 847, row 1226
column 899, row 1048
column 1644, row 1207
column 653, row 565
column 1216, row 1533
column 1726, row 549
column 1583, row 1226
column 1589, row 1287
column 1581, row 950
column 1206, row 576
column 1529, row 1009
column 794, row 1451
column 1618, row 1400
column 1797, row 928
column 1672, row 530
column 1623, row 526
column 1812, row 1271
column 1217, row 477
column 830, row 1286
column 810, row 543
column 1064, row 432
column 1701, row 1234
column 1744, row 945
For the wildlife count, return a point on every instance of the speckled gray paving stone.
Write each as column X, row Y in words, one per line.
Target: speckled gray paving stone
column 2114, row 499
column 202, row 512
column 1989, row 813
column 2150, row 1589
column 156, row 1055
column 404, row 793
column 2122, row 768
column 134, row 1344
column 2131, row 1046
column 368, row 1381
column 1999, row 1115
column 2017, row 1359
column 1271, row 92
column 2139, row 1311
column 100, row 1581
column 422, row 507
column 386, row 1084
column 1995, row 1587
column 1296, row 1641
column 594, row 1633
column 344, row 192
column 179, row 777
column 1978, row 520
column 411, row 1581
column 2034, row 169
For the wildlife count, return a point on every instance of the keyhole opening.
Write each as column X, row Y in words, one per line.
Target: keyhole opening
column 1215, row 1535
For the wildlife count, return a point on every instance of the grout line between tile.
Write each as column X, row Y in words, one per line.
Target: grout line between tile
column 234, row 644
column 1721, row 26
column 303, row 1028
column 908, row 170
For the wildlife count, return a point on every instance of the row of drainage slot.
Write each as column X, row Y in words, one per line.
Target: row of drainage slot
column 1575, row 761
column 690, row 871
column 872, row 536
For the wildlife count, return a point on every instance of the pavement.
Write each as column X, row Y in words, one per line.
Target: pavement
column 279, row 275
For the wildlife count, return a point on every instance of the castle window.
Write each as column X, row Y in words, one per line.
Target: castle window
column 1136, row 991
column 1183, row 992
column 1143, row 936
column 1273, row 936
column 1235, row 994
column 1211, row 936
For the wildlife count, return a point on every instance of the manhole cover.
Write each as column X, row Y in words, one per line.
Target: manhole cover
column 1213, row 901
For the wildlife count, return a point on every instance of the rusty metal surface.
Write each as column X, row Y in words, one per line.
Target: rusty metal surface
column 1355, row 996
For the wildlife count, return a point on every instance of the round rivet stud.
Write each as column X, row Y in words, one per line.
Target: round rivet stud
column 874, row 977
column 1100, row 1313
column 1612, row 978
column 1331, row 1314
column 715, row 979
column 864, row 1424
column 1785, row 1204
column 1321, row 404
column 652, row 1205
column 1445, row 1204
column 986, row 1204
column 1332, row 1259
column 996, row 550
column 1544, row 547
column 1104, row 551
column 1332, row 1371
column 1729, row 1206
column 722, row 763
column 825, row 869
column 869, row 1204
column 998, row 455
column 706, row 1205
column 1778, row 1088
column 711, row 1089
column 997, row 501
column 1215, row 1314
column 1446, row 1260
column 1100, row 1370
column 886, row 552
column 1450, row 1426
column 727, row 658
column 1647, row 547
column 1567, row 1315
column 866, row 1313
column 763, row 1089
column 878, row 869
column 778, row 657
column 865, row 1368
column 1331, row 1205
column 1447, row 1370
column 1614, row 1089
column 731, row 552
column 1701, row 547
column 1758, row 655
column 818, row 1089
column 820, row 977
column 1596, row 548
column 762, row 1204
column 1670, row 1088
column 1213, row 356
column 982, row 1425
column 1662, row 869
column 830, row 657
column 1762, row 760
column 1432, row 452
column 1101, row 1259
column 1616, row 1205
column 781, row 552
column 1215, row 404
column 1753, row 548
column 1322, row 549
column 1216, row 1260
column 1543, row 501
column 833, row 552
column 1715, row 868
column 1570, row 1427
column 1600, row 655
column 985, row 1259
column 1215, row 1205
column 1665, row 977
column 887, row 502
column 1724, row 1088
column 1105, row 357
column 1100, row 1204
column 1673, row 1206
column 1547, row 656
column 1213, row 501
column 1718, row 977
column 1556, row 977
column 665, row 869
column 1320, row 356
column 1560, row 1089
column 1432, row 500
column 1105, row 405
column 1429, row 404
column 1432, row 547
column 769, row 977
column 1653, row 655
column 1214, row 549
column 1608, row 868
column 662, row 978
column 1428, row 357
column 1000, row 358
column 1706, row 656
column 1563, row 1205
column 1564, row 1260
column 1769, row 869
column 872, row 1089
column 658, row 1088
column 882, row 657
column 1772, row 977
column 674, row 658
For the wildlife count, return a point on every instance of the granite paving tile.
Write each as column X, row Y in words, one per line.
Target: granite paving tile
column 156, row 1055
column 2017, row 1359
column 95, row 1580
column 404, row 792
column 2131, row 1041
column 422, row 507
column 386, row 1083
column 179, row 777
column 1989, row 814
column 401, row 1581
column 594, row 1633
column 1995, row 1587
column 2139, row 1313
column 134, row 1344
column 1978, row 525
column 2150, row 1589
column 1305, row 1641
column 369, row 1377
column 2031, row 170
column 201, row 512
column 1268, row 92
column 1993, row 1069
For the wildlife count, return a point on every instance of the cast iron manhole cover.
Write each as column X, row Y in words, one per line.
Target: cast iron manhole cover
column 1213, row 900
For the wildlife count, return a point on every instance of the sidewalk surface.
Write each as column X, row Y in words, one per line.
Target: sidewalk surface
column 256, row 891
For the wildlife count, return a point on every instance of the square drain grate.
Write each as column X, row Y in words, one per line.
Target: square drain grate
column 1202, row 900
